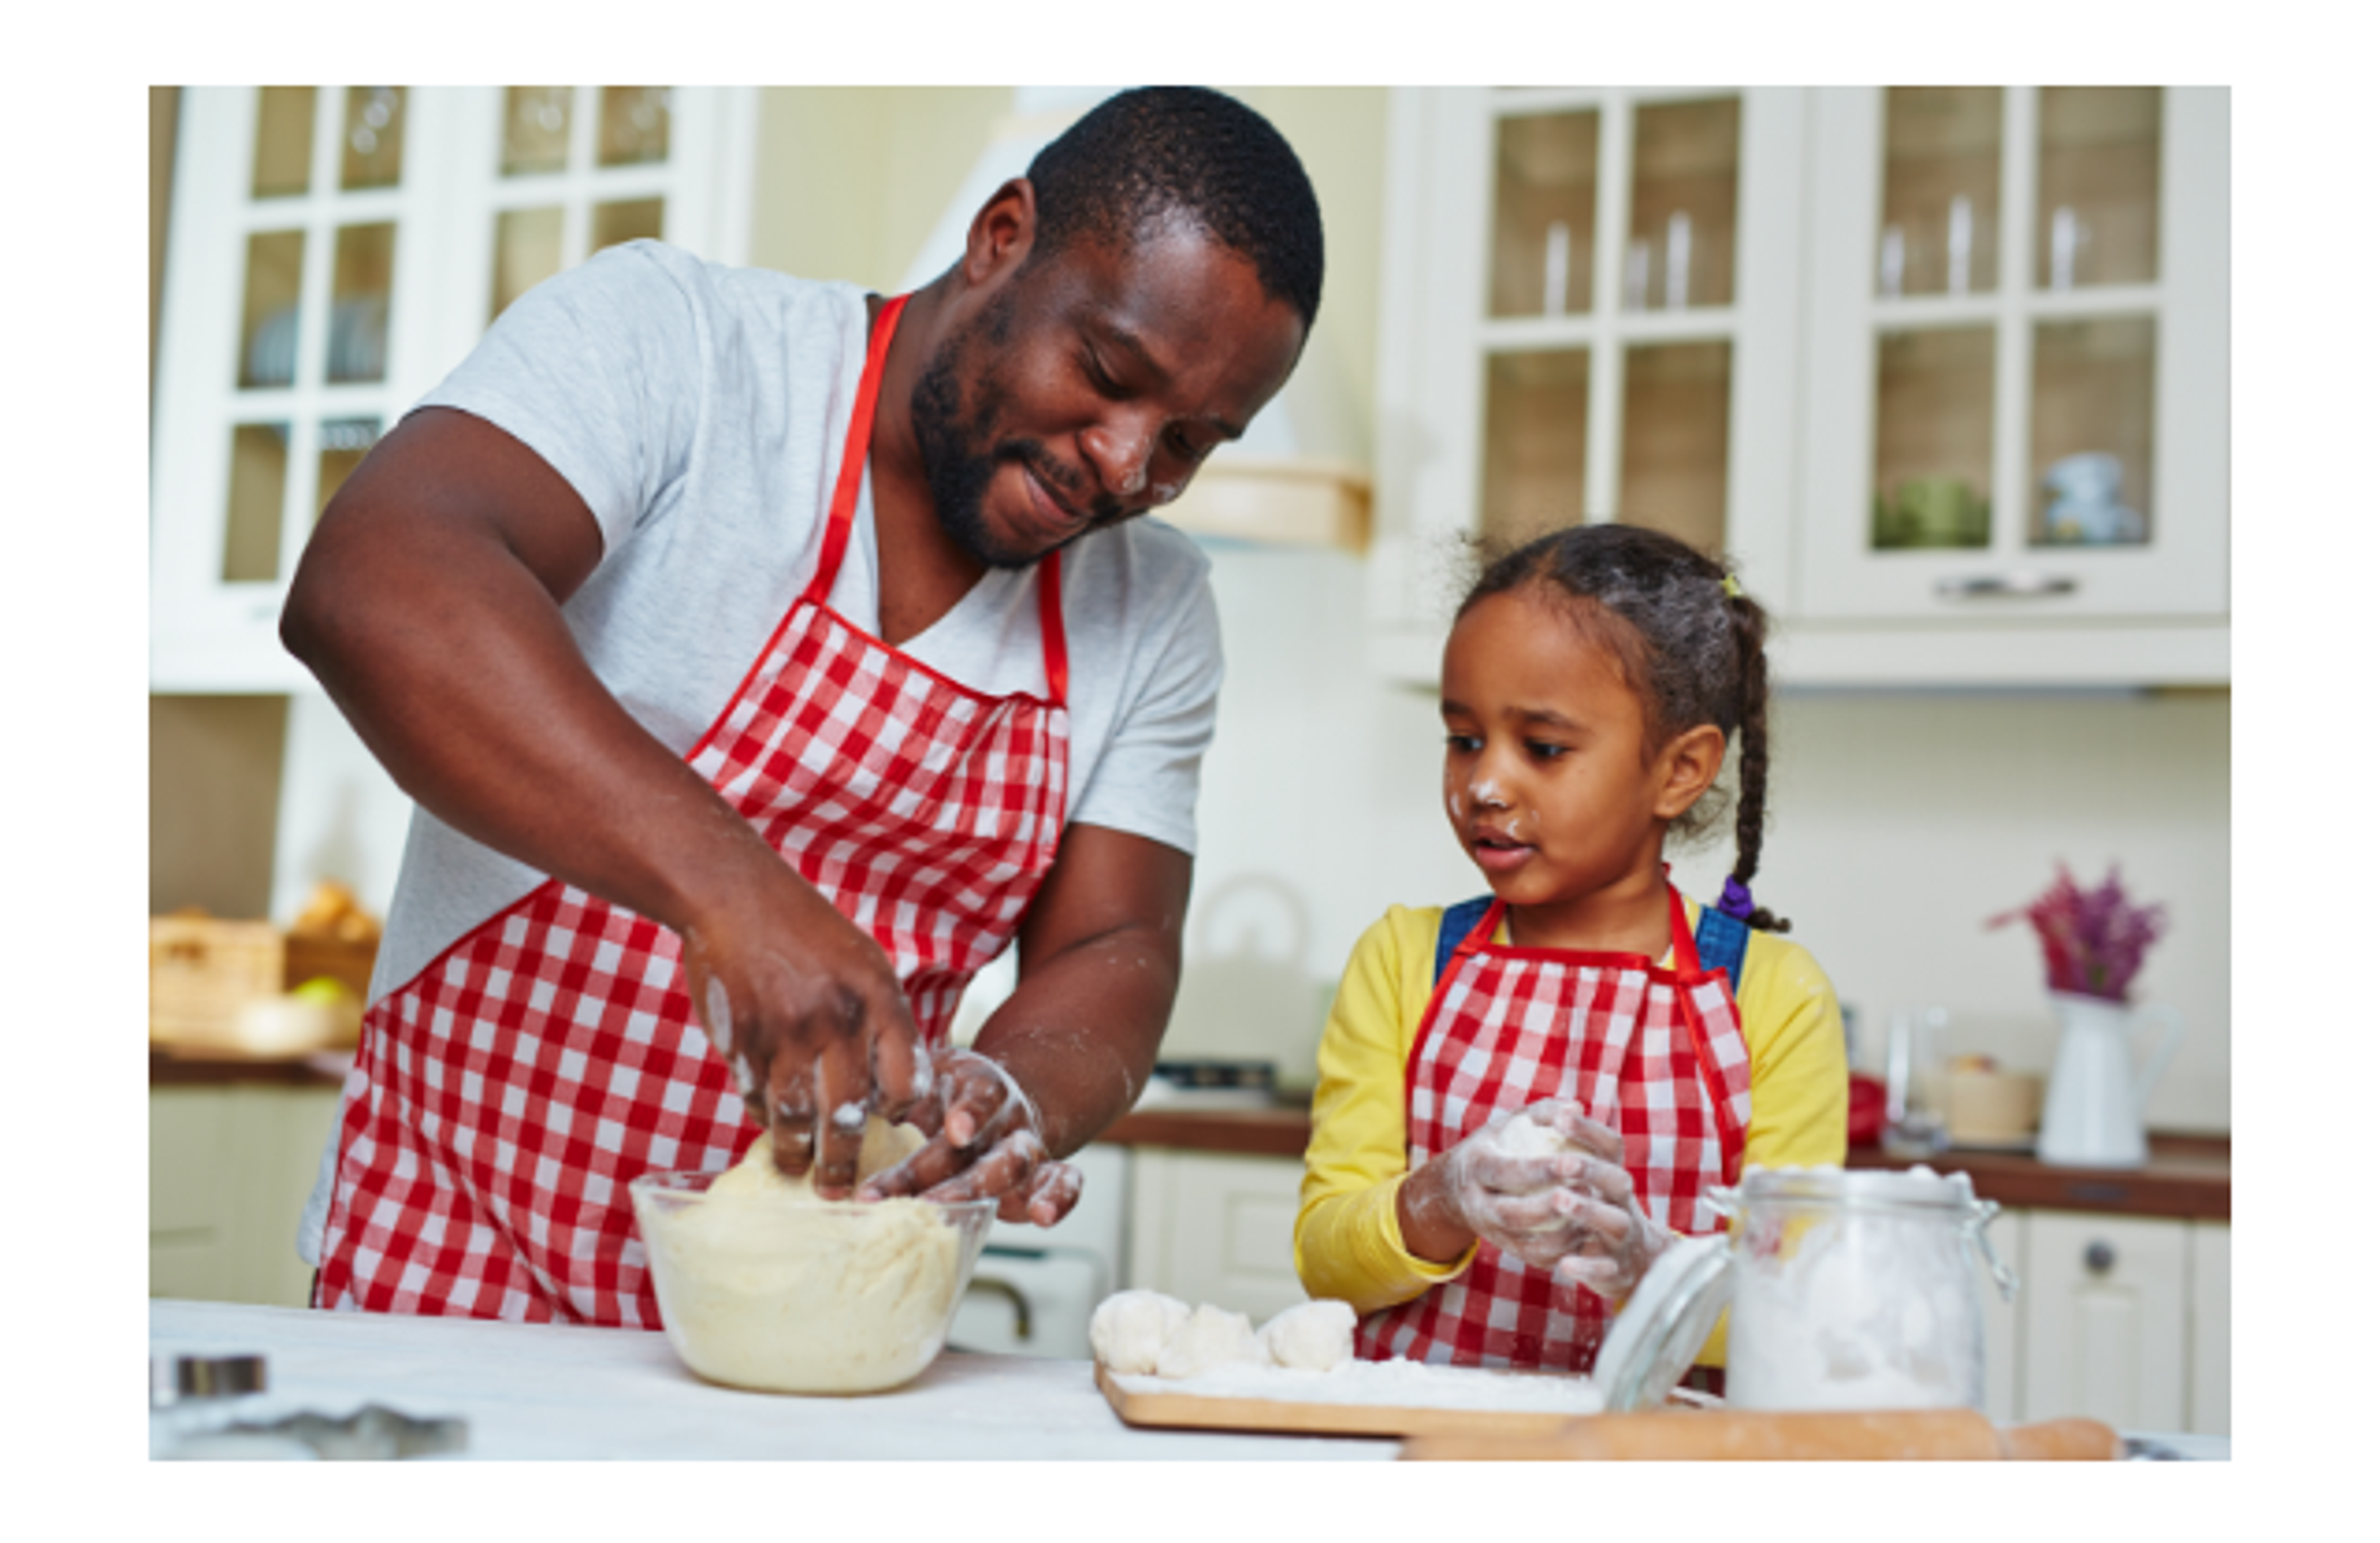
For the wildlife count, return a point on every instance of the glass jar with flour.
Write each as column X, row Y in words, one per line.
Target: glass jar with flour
column 1849, row 1291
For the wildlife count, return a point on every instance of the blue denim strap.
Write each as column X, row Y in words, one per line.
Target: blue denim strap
column 1720, row 940
column 1454, row 926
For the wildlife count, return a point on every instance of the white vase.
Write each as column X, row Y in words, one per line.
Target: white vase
column 2092, row 1117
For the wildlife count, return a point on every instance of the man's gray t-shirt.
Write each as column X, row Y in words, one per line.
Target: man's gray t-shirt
column 700, row 411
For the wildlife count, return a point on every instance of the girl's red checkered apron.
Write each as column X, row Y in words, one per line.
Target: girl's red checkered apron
column 1656, row 1055
column 502, row 1100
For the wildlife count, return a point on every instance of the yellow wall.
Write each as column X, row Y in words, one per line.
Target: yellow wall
column 1341, row 133
column 215, row 793
column 848, row 182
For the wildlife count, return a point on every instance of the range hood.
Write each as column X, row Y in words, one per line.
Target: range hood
column 1296, row 478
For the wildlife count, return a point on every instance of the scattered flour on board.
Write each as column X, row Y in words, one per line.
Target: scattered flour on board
column 1394, row 1384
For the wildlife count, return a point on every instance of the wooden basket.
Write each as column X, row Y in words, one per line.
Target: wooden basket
column 201, row 969
column 308, row 958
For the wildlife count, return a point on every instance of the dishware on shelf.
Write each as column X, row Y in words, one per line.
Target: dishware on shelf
column 1932, row 512
column 2093, row 1116
column 2086, row 507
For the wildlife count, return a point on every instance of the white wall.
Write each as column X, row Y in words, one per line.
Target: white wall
column 1899, row 825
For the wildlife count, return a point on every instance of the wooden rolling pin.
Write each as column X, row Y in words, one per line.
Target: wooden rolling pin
column 1936, row 1435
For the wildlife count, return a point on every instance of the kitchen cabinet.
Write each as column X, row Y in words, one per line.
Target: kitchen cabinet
column 333, row 252
column 2001, row 1329
column 2210, row 1328
column 2106, row 1310
column 1589, row 310
column 229, row 1169
column 2004, row 284
column 1216, row 1227
column 1945, row 371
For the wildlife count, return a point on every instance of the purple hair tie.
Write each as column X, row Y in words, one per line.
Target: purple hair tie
column 1735, row 900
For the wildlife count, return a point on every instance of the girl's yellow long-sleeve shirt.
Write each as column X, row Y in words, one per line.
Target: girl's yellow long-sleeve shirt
column 1348, row 1243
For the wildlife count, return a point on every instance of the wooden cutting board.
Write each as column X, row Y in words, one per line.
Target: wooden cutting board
column 1200, row 1412
column 1693, row 1434
column 1928, row 1435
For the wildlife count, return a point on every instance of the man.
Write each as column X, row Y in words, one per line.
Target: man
column 764, row 656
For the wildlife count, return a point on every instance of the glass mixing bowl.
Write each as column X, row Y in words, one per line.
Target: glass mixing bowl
column 788, row 1295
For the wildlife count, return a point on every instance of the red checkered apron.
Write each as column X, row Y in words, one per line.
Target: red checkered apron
column 502, row 1100
column 1656, row 1055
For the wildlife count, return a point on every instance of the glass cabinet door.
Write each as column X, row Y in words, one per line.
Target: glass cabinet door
column 333, row 252
column 1593, row 297
column 1605, row 345
column 575, row 169
column 2018, row 365
column 298, row 211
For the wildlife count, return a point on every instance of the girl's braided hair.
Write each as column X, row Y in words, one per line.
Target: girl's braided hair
column 1690, row 645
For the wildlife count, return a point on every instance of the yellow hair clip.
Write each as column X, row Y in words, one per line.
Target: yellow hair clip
column 1733, row 589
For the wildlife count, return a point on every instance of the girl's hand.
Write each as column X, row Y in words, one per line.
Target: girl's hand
column 1619, row 1242
column 1542, row 1208
column 985, row 1142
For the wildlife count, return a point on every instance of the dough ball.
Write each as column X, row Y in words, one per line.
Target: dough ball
column 1129, row 1330
column 1312, row 1336
column 1522, row 1136
column 1211, row 1339
column 882, row 1145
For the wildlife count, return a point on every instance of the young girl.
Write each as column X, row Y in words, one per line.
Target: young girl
column 1522, row 1099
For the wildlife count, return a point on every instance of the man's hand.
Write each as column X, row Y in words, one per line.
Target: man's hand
column 808, row 1012
column 984, row 1143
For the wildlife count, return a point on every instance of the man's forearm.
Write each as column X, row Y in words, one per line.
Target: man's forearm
column 1080, row 1033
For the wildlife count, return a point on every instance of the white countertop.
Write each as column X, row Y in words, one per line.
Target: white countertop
column 532, row 1391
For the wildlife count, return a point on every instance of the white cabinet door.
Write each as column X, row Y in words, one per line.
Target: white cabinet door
column 2003, row 1328
column 229, row 1169
column 1213, row 1228
column 2018, row 361
column 1590, row 304
column 2210, row 1328
column 2105, row 1309
column 191, row 1250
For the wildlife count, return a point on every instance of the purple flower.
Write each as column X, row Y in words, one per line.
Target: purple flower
column 2092, row 940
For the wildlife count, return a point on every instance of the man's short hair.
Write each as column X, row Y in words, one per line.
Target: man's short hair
column 1142, row 156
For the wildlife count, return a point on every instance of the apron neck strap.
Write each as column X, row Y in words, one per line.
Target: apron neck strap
column 1483, row 932
column 1683, row 957
column 845, row 506
column 844, row 510
column 1053, row 629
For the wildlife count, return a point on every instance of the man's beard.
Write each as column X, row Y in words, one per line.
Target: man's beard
column 957, row 476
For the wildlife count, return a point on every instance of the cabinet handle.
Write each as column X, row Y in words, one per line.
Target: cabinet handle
column 2021, row 584
column 2099, row 1258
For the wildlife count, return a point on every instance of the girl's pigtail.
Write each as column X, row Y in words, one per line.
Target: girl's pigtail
column 1752, row 759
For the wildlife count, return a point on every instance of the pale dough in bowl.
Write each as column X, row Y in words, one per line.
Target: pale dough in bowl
column 764, row 1285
